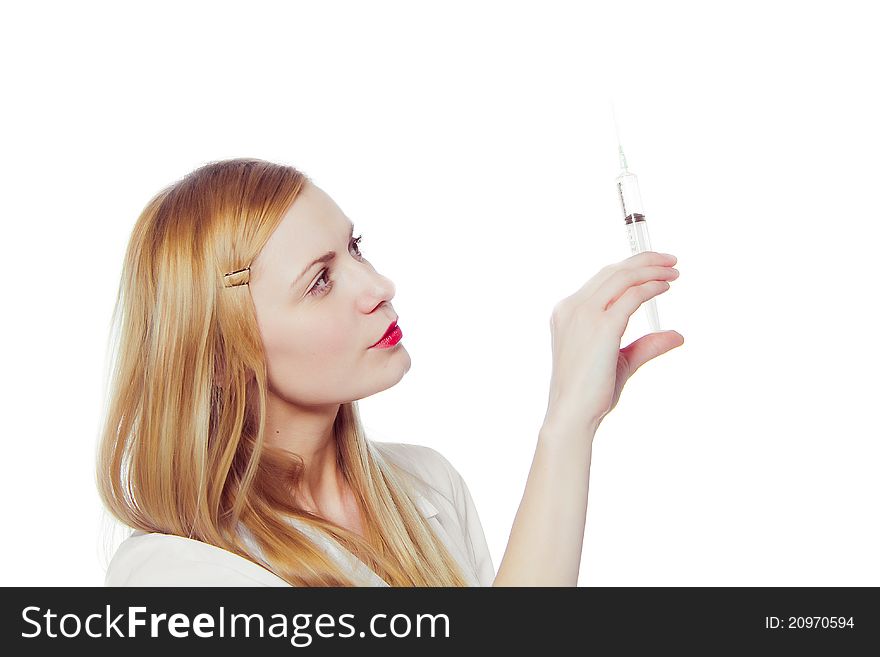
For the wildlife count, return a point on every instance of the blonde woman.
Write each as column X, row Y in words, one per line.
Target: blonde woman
column 249, row 324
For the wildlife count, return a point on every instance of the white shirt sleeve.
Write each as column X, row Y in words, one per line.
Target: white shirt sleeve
column 476, row 537
column 469, row 520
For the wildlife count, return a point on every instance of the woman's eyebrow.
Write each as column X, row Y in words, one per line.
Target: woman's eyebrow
column 327, row 257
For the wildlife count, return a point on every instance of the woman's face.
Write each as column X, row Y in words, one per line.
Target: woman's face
column 317, row 328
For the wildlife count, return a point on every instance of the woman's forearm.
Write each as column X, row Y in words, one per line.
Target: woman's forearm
column 548, row 532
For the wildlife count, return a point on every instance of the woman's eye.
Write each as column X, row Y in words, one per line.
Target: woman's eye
column 318, row 290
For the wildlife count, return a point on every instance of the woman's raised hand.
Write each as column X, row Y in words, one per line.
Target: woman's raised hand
column 589, row 367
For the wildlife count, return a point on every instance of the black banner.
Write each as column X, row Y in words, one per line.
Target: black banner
column 430, row 621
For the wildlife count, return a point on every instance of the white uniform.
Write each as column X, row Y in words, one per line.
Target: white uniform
column 442, row 496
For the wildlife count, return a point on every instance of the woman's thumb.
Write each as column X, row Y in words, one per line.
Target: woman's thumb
column 650, row 346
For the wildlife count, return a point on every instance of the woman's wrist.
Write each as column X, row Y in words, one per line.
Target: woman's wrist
column 560, row 425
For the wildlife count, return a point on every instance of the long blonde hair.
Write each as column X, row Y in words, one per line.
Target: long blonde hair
column 182, row 448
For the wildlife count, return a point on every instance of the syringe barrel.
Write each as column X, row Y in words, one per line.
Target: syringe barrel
column 633, row 213
column 630, row 196
column 636, row 230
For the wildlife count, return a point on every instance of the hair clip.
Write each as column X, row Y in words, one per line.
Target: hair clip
column 240, row 277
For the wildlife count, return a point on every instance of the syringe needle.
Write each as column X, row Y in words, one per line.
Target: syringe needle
column 621, row 156
column 614, row 118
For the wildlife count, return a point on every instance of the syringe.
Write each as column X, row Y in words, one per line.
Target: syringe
column 636, row 226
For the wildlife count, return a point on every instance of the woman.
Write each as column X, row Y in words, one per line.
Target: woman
column 232, row 442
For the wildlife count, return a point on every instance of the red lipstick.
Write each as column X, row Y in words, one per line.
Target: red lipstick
column 392, row 336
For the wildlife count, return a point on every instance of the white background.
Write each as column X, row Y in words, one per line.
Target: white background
column 472, row 145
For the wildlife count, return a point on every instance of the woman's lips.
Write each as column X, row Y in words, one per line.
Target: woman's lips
column 392, row 336
column 387, row 331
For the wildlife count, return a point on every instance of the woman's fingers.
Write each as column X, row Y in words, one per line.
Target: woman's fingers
column 626, row 279
column 650, row 346
column 590, row 289
column 610, row 281
column 624, row 307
